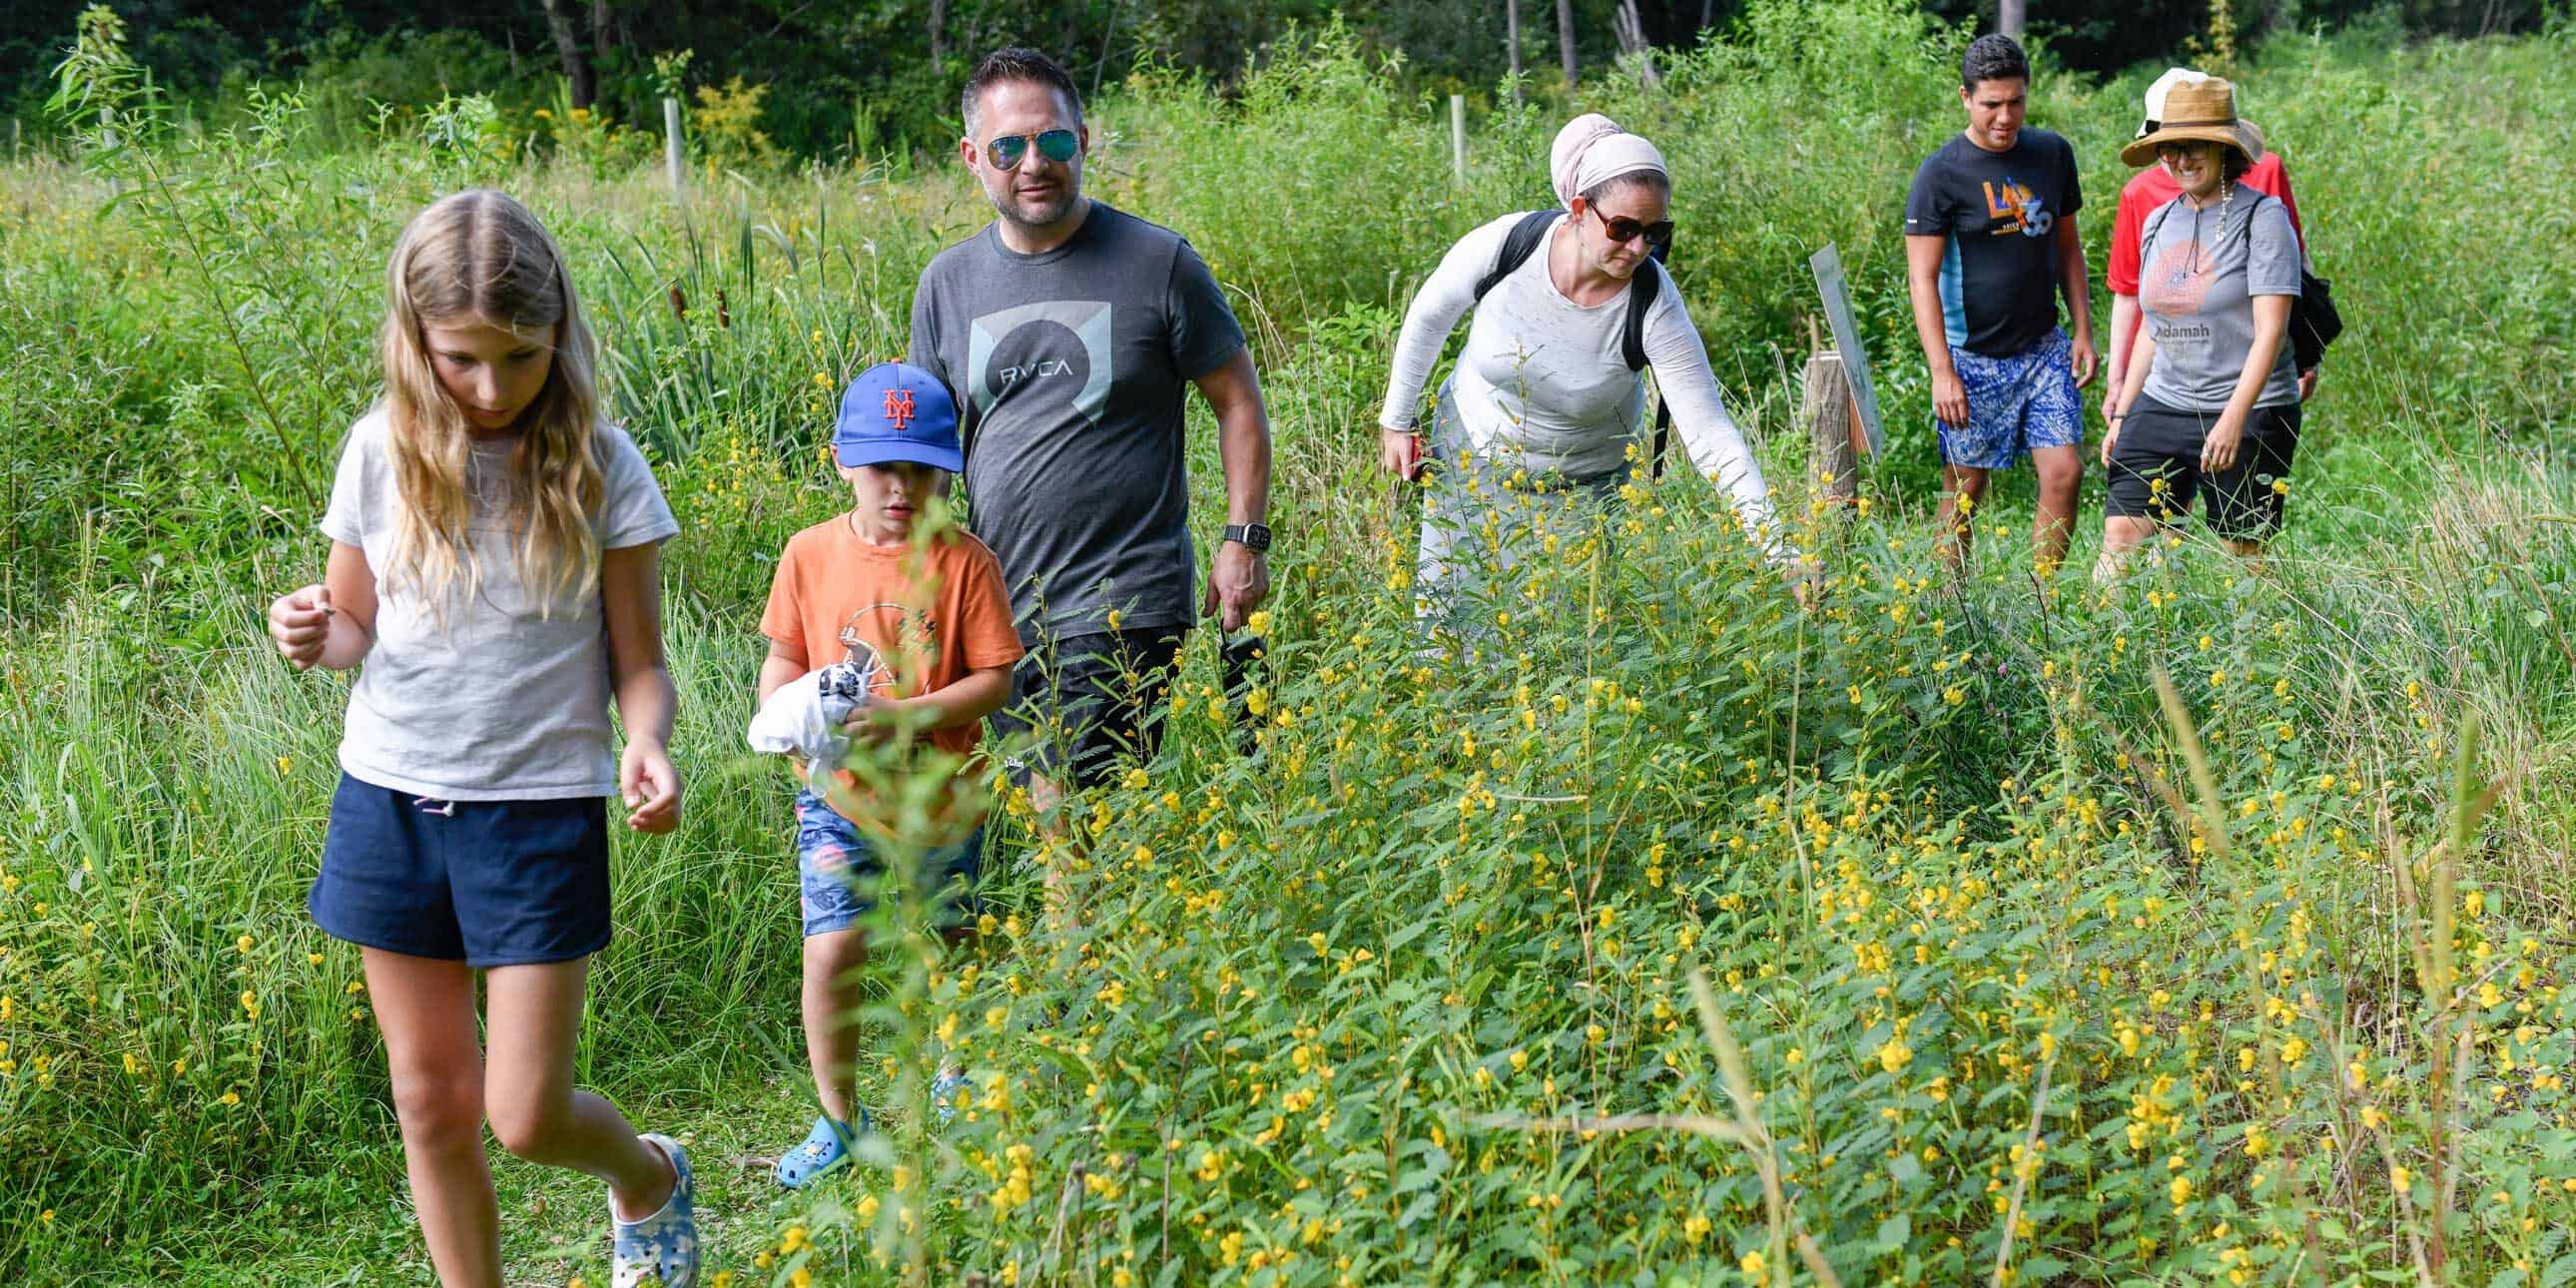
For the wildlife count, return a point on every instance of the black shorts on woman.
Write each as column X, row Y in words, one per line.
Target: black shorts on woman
column 2155, row 468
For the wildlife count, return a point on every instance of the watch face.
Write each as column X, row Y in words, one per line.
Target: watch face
column 1254, row 536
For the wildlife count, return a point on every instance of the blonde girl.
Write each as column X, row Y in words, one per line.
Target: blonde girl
column 494, row 568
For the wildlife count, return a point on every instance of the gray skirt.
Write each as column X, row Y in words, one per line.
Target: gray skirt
column 1486, row 519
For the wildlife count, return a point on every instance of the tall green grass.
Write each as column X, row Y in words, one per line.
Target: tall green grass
column 1387, row 1000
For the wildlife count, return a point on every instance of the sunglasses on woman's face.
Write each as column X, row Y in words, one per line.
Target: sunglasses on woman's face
column 2176, row 151
column 1623, row 229
column 1055, row 145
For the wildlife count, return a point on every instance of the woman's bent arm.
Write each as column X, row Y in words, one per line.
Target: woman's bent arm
column 1444, row 297
column 1689, row 386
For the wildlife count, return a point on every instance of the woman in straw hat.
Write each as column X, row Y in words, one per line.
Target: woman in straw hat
column 2211, row 398
column 2149, row 191
column 1541, row 416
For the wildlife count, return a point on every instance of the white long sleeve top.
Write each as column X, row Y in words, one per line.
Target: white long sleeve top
column 1546, row 378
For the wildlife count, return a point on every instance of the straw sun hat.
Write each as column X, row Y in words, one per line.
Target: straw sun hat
column 2198, row 111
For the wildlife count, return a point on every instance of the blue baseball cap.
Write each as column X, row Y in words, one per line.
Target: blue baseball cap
column 895, row 412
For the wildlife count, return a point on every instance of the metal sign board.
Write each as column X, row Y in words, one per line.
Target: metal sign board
column 1828, row 266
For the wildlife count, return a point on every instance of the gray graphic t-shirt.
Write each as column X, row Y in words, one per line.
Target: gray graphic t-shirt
column 2198, row 271
column 1071, row 369
column 501, row 697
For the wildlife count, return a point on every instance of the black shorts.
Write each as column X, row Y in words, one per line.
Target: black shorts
column 488, row 883
column 2155, row 469
column 1080, row 704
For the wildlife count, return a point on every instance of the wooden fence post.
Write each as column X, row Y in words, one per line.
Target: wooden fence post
column 674, row 159
column 107, row 136
column 1833, row 422
column 1458, row 137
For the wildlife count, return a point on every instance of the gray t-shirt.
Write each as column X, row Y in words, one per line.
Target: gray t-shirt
column 498, row 702
column 2198, row 271
column 1070, row 370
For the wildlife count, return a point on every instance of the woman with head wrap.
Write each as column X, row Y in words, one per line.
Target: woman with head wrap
column 1542, row 413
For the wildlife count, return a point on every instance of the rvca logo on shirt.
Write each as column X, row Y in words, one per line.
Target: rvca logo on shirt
column 2014, row 208
column 1049, row 351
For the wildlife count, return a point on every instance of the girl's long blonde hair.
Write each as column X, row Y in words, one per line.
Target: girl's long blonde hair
column 478, row 256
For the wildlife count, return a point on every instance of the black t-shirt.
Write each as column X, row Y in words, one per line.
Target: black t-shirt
column 1071, row 368
column 1997, row 212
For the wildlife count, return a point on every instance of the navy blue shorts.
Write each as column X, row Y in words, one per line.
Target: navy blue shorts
column 488, row 883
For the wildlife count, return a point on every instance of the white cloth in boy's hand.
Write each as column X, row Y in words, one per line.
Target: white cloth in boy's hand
column 804, row 715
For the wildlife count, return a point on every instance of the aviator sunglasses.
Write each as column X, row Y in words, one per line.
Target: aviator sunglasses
column 1007, row 150
column 1624, row 229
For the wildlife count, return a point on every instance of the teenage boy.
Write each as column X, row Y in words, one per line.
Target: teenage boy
column 1990, row 244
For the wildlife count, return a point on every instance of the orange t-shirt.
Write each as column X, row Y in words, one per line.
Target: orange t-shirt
column 933, row 611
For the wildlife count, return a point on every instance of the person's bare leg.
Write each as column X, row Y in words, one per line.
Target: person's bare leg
column 2061, row 479
column 425, row 1008
column 534, row 1016
column 833, row 962
column 2120, row 535
column 1962, row 488
column 1063, row 842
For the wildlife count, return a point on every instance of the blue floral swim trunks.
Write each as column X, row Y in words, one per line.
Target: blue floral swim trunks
column 2016, row 403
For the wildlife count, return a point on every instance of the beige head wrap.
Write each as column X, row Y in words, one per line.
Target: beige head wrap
column 1591, row 150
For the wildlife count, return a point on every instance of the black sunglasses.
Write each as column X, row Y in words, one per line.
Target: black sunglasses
column 1007, row 150
column 1623, row 229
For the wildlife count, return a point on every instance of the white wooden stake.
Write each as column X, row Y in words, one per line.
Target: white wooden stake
column 1458, row 137
column 673, row 158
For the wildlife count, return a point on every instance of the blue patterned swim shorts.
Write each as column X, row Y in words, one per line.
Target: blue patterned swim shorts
column 2016, row 403
column 838, row 870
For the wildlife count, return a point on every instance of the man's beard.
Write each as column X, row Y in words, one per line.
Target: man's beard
column 1009, row 206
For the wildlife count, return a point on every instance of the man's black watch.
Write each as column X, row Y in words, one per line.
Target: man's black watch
column 1254, row 536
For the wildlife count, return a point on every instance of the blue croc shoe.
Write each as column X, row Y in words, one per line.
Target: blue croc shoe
column 662, row 1248
column 826, row 1149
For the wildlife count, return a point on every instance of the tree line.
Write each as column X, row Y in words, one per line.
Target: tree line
column 884, row 73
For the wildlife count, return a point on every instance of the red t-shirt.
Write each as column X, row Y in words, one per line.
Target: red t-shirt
column 2153, row 187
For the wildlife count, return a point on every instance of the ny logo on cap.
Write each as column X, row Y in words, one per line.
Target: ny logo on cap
column 898, row 407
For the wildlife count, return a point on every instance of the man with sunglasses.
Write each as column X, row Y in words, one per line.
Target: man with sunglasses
column 1990, row 244
column 1071, row 333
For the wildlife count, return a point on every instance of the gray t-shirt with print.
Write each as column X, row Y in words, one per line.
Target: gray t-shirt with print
column 1071, row 370
column 2198, row 271
column 493, row 700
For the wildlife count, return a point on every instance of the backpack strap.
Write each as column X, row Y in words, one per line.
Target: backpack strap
column 1643, row 286
column 1518, row 246
column 2147, row 234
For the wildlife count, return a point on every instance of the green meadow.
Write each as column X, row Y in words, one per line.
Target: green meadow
column 2209, row 926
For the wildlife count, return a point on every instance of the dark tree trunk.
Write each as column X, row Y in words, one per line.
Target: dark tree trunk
column 1565, row 38
column 1512, row 40
column 576, row 68
column 938, row 30
column 1633, row 47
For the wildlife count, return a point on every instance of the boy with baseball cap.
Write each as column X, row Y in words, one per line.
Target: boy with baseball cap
column 890, row 627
